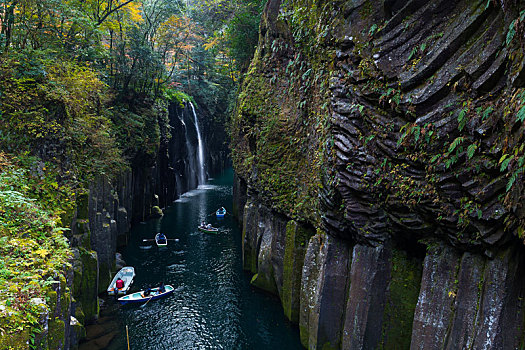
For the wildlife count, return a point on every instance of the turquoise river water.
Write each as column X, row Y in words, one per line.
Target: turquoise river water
column 214, row 306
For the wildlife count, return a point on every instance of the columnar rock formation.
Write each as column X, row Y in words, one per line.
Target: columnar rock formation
column 379, row 155
column 103, row 217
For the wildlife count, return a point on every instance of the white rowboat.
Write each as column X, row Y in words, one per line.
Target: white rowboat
column 127, row 274
column 161, row 242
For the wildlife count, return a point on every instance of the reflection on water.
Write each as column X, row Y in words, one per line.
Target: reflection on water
column 213, row 306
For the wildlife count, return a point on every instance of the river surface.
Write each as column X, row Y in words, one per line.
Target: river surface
column 214, row 306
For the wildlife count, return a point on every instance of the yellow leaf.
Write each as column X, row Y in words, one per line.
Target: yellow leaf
column 42, row 252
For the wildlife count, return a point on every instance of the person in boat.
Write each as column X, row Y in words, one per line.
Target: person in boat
column 208, row 226
column 162, row 289
column 147, row 292
column 119, row 283
column 203, row 224
column 162, row 238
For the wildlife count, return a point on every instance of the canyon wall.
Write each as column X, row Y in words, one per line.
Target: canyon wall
column 379, row 155
column 104, row 215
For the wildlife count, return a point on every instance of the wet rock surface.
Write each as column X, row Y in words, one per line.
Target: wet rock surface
column 434, row 310
column 369, row 278
column 325, row 278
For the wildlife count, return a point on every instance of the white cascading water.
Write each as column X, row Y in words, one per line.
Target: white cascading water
column 200, row 153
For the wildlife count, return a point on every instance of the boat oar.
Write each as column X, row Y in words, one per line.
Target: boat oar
column 127, row 335
column 169, row 239
column 147, row 301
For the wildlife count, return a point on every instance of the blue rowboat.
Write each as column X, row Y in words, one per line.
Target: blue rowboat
column 220, row 212
column 139, row 297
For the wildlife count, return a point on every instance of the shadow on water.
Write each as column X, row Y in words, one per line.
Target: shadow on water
column 214, row 306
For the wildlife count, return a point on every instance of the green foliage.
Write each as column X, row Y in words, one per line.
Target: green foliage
column 487, row 113
column 235, row 28
column 471, row 150
column 504, row 161
column 242, row 33
column 33, row 249
column 137, row 134
column 513, row 28
column 521, row 114
column 85, row 85
column 462, row 120
column 180, row 97
column 281, row 126
column 419, row 51
column 455, row 143
column 310, row 23
column 61, row 104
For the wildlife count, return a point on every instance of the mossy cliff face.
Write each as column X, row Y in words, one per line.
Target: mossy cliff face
column 100, row 218
column 279, row 130
column 395, row 129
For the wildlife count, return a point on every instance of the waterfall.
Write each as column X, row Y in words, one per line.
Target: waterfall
column 200, row 153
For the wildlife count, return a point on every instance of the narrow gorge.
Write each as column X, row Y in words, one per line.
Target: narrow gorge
column 379, row 155
column 104, row 215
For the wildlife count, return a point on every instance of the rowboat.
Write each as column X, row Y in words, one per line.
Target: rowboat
column 139, row 297
column 127, row 274
column 208, row 229
column 161, row 242
column 220, row 212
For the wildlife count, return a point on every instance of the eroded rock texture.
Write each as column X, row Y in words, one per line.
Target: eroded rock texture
column 418, row 124
column 394, row 129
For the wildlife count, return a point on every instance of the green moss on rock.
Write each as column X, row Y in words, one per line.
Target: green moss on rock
column 264, row 282
column 297, row 238
column 79, row 314
column 82, row 206
column 56, row 333
column 249, row 238
column 83, row 233
column 328, row 346
column 280, row 128
column 304, row 335
column 89, row 296
column 77, row 276
column 401, row 301
column 13, row 341
column 78, row 330
column 52, row 299
column 65, row 298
